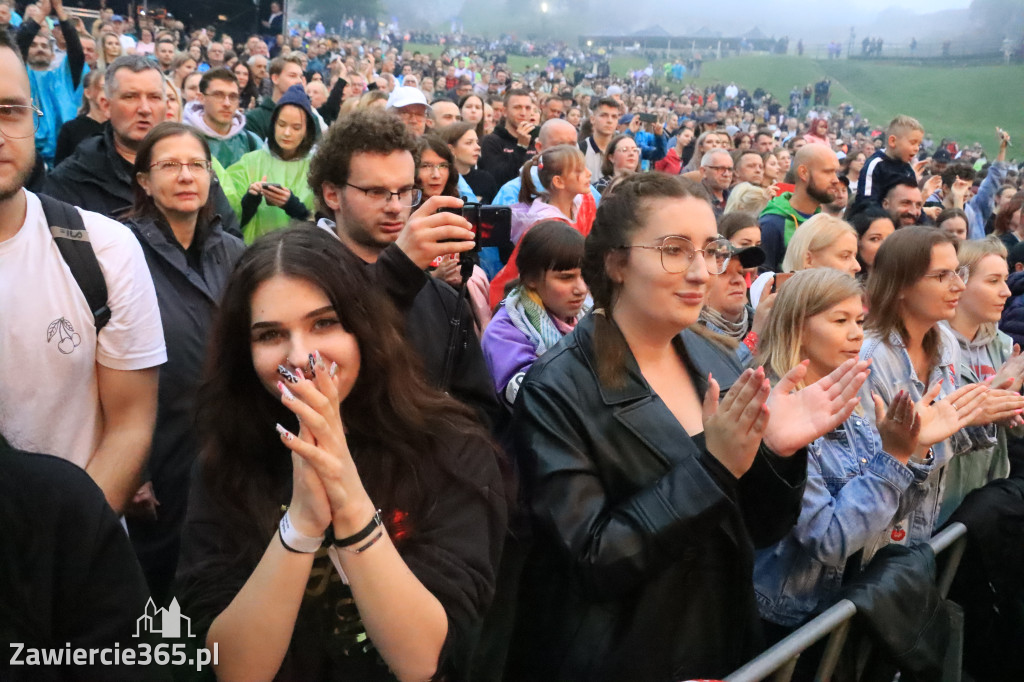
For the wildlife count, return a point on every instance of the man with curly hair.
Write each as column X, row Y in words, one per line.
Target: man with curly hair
column 363, row 176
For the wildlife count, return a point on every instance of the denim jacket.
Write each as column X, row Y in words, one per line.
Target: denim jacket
column 892, row 370
column 854, row 490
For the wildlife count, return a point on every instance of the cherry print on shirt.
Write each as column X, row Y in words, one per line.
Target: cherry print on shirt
column 69, row 339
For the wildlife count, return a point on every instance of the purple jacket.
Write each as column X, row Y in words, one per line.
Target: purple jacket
column 509, row 354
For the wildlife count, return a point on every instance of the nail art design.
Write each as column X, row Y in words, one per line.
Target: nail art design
column 283, row 371
column 312, row 367
column 320, row 364
column 288, row 395
column 334, row 369
column 285, row 433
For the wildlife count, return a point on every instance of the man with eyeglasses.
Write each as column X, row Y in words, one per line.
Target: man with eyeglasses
column 364, row 177
column 716, row 170
column 84, row 394
column 98, row 176
column 218, row 118
column 410, row 104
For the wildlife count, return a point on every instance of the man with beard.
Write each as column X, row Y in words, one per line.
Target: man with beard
column 816, row 169
column 54, row 89
column 904, row 203
column 93, row 392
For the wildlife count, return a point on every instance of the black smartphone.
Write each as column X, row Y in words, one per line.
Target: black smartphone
column 492, row 224
column 648, row 118
column 271, row 184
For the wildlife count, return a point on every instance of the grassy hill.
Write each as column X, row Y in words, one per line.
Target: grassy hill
column 966, row 103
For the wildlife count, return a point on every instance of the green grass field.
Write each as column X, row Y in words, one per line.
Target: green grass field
column 965, row 103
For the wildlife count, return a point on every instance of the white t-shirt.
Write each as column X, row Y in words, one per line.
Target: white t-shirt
column 49, row 399
column 128, row 43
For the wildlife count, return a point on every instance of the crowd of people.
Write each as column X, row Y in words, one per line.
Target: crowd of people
column 708, row 358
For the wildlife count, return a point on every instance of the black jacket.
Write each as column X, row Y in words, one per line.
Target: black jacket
column 67, row 572
column 642, row 565
column 188, row 295
column 428, row 305
column 501, row 155
column 96, row 178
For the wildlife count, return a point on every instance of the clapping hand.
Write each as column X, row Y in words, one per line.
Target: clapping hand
column 899, row 427
column 327, row 488
column 800, row 417
column 733, row 430
column 940, row 419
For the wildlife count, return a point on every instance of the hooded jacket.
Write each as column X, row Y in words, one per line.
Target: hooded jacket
column 778, row 222
column 227, row 149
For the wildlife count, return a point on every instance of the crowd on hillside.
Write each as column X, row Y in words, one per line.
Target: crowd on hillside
column 377, row 364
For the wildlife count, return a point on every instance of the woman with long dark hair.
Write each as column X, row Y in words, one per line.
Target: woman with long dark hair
column 315, row 404
column 647, row 494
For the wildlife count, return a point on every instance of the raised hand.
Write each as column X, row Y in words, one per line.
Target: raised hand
column 899, row 427
column 1011, row 375
column 317, row 404
column 800, row 417
column 940, row 419
column 424, row 237
column 733, row 430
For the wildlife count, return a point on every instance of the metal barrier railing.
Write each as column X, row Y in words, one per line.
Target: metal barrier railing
column 780, row 660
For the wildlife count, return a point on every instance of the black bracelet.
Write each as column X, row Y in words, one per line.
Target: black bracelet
column 374, row 523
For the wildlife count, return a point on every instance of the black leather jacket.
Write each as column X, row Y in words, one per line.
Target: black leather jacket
column 641, row 567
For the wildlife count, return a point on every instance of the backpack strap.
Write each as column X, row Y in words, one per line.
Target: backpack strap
column 72, row 240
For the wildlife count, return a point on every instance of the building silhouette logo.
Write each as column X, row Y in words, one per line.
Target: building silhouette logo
column 166, row 622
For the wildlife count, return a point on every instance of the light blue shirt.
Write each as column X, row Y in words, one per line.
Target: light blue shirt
column 509, row 192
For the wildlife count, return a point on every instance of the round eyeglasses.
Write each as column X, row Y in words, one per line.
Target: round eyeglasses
column 678, row 253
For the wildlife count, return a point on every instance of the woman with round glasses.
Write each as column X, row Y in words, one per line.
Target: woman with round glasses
column 647, row 493
column 916, row 283
column 190, row 258
column 267, row 188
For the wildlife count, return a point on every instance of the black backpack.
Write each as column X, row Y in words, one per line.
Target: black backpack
column 68, row 232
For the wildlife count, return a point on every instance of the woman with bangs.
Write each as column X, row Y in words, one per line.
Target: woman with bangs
column 545, row 305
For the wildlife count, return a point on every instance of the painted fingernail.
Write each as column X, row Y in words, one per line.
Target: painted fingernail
column 298, row 373
column 312, row 366
column 283, row 371
column 285, row 433
column 319, row 361
column 288, row 395
column 334, row 369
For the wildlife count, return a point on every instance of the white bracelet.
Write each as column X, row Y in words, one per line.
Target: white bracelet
column 294, row 541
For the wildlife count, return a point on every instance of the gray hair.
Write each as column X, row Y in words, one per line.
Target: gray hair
column 253, row 58
column 134, row 63
column 709, row 157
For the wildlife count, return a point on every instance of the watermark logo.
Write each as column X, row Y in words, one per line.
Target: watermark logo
column 166, row 622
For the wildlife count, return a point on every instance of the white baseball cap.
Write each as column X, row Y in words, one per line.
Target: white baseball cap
column 403, row 96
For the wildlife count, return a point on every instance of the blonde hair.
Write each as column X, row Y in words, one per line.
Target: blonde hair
column 971, row 253
column 818, row 233
column 805, row 295
column 747, row 197
column 903, row 124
